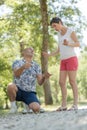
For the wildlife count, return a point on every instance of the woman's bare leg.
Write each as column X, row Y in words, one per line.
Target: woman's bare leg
column 62, row 82
column 73, row 83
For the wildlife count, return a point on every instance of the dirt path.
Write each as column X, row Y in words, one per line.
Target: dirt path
column 67, row 120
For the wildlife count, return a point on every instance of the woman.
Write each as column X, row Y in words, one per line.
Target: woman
column 68, row 41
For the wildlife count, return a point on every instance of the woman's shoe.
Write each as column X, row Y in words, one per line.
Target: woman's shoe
column 62, row 109
column 74, row 107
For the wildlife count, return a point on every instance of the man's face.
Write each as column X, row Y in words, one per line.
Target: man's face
column 29, row 52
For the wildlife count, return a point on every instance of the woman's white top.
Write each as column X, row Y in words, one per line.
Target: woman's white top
column 66, row 51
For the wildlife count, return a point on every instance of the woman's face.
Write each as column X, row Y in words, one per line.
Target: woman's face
column 56, row 26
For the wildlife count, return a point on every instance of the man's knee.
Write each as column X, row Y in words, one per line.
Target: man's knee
column 35, row 107
column 11, row 86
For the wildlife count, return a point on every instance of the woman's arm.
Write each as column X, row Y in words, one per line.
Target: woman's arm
column 52, row 53
column 74, row 38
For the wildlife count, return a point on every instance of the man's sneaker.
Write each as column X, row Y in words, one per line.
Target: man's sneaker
column 26, row 109
column 30, row 111
column 13, row 110
column 42, row 110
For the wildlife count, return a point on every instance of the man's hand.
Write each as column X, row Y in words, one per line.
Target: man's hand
column 42, row 78
column 27, row 65
column 46, row 75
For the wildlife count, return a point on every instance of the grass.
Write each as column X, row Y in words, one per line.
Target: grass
column 3, row 111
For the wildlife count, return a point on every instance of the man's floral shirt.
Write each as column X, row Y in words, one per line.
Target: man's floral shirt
column 27, row 80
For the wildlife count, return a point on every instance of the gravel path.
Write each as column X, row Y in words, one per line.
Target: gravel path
column 67, row 120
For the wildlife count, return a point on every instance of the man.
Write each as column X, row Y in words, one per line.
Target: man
column 26, row 72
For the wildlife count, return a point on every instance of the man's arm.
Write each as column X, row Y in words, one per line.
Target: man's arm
column 19, row 71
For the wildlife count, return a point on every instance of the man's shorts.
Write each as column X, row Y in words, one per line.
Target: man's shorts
column 26, row 97
column 70, row 64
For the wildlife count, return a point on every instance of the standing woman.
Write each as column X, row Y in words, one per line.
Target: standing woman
column 68, row 41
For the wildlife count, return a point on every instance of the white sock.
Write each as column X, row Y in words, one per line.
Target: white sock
column 13, row 104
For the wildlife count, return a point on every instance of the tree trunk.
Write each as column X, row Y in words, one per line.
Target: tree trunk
column 21, row 47
column 44, row 60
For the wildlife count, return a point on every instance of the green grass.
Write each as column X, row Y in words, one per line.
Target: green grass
column 3, row 111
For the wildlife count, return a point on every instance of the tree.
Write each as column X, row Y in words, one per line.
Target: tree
column 44, row 61
column 23, row 27
column 2, row 2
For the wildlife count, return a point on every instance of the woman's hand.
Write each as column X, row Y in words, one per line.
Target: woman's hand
column 66, row 43
column 45, row 54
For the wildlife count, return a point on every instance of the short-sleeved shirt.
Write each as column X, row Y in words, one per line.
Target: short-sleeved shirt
column 27, row 80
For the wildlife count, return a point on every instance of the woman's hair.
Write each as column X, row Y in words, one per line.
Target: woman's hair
column 56, row 20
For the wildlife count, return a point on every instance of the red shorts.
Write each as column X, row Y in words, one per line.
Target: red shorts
column 70, row 64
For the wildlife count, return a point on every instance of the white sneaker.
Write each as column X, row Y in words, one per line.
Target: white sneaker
column 13, row 110
column 30, row 111
column 42, row 110
column 26, row 109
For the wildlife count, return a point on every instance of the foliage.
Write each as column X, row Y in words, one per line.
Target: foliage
column 1, row 2
column 2, row 97
column 83, row 75
column 24, row 25
column 70, row 14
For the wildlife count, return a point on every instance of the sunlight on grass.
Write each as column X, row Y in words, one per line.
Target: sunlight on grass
column 49, row 107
